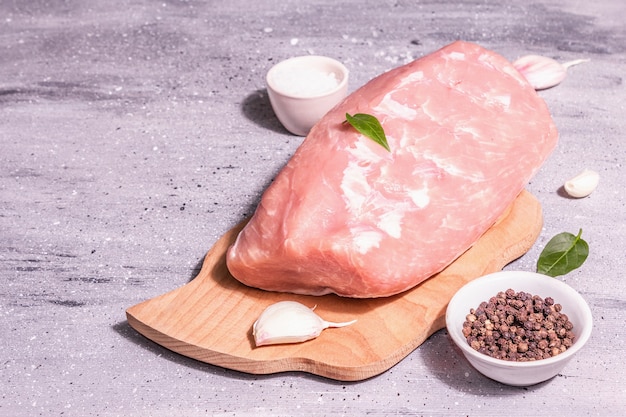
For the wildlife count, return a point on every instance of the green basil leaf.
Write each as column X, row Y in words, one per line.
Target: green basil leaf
column 369, row 126
column 562, row 254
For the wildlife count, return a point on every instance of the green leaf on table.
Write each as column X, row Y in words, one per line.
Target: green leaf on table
column 562, row 254
column 369, row 126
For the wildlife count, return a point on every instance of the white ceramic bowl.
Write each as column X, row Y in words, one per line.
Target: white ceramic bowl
column 511, row 372
column 305, row 88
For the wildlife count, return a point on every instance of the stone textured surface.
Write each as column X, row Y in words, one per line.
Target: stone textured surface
column 134, row 133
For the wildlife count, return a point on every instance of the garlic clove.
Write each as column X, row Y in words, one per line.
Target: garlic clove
column 289, row 322
column 542, row 72
column 582, row 184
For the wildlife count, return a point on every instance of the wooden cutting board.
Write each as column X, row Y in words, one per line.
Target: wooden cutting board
column 210, row 318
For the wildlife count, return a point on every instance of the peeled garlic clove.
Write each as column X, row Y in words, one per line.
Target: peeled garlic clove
column 582, row 184
column 542, row 72
column 289, row 322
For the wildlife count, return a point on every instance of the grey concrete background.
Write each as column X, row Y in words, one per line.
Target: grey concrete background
column 134, row 133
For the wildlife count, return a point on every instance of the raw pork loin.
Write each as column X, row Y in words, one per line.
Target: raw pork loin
column 466, row 132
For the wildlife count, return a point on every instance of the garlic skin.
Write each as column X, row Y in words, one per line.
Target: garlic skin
column 542, row 72
column 289, row 322
column 582, row 184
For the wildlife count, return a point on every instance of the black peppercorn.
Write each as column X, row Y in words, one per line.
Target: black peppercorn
column 518, row 326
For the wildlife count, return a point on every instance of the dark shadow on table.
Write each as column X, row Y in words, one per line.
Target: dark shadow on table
column 446, row 361
column 257, row 108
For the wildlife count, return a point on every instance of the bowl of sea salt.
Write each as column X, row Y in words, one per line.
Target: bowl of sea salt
column 304, row 88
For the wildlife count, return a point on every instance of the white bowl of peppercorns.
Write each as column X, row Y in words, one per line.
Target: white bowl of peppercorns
column 518, row 328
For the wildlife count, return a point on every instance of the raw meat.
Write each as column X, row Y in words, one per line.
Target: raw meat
column 466, row 131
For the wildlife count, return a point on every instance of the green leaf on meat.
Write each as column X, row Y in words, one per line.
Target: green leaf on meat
column 369, row 126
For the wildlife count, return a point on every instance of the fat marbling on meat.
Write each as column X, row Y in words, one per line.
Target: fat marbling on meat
column 466, row 131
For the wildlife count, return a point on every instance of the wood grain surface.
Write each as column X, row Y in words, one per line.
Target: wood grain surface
column 210, row 319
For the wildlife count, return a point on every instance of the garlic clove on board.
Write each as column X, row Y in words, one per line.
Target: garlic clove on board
column 289, row 322
column 582, row 184
column 542, row 72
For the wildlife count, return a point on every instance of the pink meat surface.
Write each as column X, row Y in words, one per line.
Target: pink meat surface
column 466, row 132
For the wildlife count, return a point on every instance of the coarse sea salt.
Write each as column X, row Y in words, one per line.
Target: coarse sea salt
column 304, row 82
